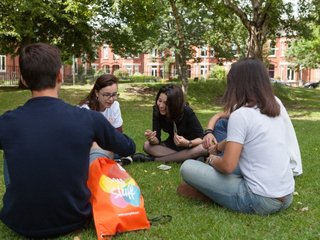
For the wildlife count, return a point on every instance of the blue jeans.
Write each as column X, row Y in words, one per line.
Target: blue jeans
column 230, row 191
column 98, row 152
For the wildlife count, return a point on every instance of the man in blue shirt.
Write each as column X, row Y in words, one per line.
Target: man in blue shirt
column 46, row 145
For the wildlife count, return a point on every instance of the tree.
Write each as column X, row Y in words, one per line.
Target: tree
column 166, row 24
column 306, row 52
column 263, row 19
column 66, row 24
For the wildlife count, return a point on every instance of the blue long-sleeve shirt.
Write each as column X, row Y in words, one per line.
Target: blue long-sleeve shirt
column 46, row 145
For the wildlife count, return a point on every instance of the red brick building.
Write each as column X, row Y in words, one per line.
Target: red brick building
column 282, row 69
column 162, row 65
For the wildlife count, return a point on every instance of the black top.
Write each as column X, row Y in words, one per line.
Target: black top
column 188, row 126
column 46, row 147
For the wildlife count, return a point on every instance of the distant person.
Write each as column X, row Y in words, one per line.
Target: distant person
column 174, row 117
column 46, row 144
column 103, row 98
column 257, row 139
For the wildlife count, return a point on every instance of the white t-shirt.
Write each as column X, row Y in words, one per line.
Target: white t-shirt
column 112, row 114
column 264, row 160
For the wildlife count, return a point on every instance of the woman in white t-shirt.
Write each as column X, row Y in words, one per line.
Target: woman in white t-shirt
column 103, row 98
column 256, row 144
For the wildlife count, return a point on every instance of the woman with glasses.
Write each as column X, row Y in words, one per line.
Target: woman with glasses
column 103, row 98
column 172, row 116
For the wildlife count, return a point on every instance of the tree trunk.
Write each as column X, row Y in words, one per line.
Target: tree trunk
column 181, row 58
column 255, row 48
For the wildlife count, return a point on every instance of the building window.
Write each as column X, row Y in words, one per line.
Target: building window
column 154, row 71
column 2, row 63
column 154, row 52
column 129, row 69
column 203, row 52
column 211, row 52
column 136, row 69
column 290, row 73
column 203, row 71
column 105, row 51
column 161, row 71
column 271, row 71
column 107, row 69
column 272, row 46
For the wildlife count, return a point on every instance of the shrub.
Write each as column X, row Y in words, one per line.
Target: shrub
column 218, row 73
column 122, row 74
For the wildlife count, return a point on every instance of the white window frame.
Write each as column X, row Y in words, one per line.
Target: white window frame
column 154, row 52
column 204, row 52
column 272, row 47
column 290, row 73
column 129, row 69
column 212, row 52
column 203, row 70
column 154, row 70
column 105, row 51
column 3, row 65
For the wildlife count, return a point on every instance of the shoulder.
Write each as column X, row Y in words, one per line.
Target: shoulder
column 85, row 105
column 115, row 105
column 243, row 113
column 188, row 110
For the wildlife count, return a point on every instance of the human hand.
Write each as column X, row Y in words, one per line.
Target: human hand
column 213, row 149
column 209, row 140
column 150, row 135
column 180, row 141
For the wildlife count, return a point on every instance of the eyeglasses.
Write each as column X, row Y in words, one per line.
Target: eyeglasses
column 109, row 95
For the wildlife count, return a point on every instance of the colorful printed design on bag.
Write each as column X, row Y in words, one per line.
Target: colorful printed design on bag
column 123, row 189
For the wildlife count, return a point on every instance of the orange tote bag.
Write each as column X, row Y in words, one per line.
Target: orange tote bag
column 117, row 203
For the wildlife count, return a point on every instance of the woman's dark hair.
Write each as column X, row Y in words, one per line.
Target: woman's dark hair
column 101, row 82
column 40, row 64
column 175, row 101
column 248, row 84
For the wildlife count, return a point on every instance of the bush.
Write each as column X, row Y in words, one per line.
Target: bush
column 142, row 78
column 121, row 74
column 218, row 73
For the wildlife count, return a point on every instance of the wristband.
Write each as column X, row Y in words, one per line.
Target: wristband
column 207, row 131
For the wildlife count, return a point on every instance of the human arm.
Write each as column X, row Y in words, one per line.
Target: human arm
column 229, row 161
column 180, row 141
column 154, row 135
column 151, row 136
column 108, row 138
column 209, row 139
column 189, row 130
column 115, row 117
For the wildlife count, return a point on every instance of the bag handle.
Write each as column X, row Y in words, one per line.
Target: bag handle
column 161, row 219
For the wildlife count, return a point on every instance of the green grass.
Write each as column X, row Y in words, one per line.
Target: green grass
column 193, row 219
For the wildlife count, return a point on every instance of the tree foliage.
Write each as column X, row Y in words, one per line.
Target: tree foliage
column 306, row 52
column 66, row 24
column 138, row 26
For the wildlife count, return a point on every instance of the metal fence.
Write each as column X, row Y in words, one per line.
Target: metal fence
column 10, row 76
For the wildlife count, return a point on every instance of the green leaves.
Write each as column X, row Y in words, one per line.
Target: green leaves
column 64, row 23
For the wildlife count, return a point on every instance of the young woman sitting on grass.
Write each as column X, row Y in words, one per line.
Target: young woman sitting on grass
column 103, row 98
column 173, row 116
column 256, row 142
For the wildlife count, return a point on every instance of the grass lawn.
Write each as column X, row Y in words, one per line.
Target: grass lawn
column 193, row 219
